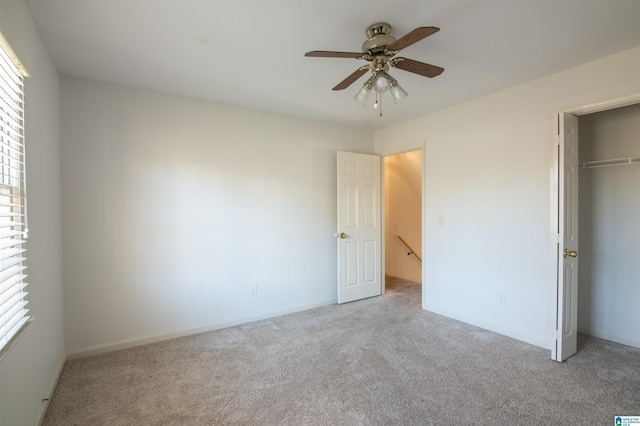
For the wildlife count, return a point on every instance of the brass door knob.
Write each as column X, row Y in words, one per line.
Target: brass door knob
column 342, row 235
column 570, row 253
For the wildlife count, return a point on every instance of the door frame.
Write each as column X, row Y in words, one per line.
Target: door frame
column 396, row 151
column 555, row 181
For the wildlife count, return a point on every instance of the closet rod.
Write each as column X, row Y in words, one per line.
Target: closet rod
column 606, row 163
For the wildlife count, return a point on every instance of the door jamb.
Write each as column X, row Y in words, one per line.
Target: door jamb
column 401, row 150
column 554, row 170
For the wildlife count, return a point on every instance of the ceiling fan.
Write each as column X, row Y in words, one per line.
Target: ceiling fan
column 379, row 49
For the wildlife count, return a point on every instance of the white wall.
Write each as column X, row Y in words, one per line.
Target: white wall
column 403, row 214
column 609, row 272
column 31, row 367
column 487, row 171
column 174, row 208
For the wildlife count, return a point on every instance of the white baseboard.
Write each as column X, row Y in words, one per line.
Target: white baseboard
column 609, row 336
column 96, row 350
column 489, row 326
column 51, row 390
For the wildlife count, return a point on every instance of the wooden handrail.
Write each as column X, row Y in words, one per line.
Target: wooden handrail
column 409, row 248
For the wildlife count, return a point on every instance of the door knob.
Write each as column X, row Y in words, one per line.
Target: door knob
column 342, row 235
column 570, row 253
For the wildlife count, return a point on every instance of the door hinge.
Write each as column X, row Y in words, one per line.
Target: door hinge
column 557, row 238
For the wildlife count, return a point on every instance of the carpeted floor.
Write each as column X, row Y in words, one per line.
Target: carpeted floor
column 380, row 361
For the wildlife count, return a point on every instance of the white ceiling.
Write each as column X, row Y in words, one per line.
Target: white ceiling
column 250, row 53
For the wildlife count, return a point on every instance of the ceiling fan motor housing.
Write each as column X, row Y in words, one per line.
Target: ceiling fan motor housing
column 379, row 63
column 379, row 38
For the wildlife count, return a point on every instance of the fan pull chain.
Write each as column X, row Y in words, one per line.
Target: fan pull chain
column 378, row 104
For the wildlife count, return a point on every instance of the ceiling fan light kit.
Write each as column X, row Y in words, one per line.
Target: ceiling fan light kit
column 363, row 94
column 380, row 49
column 380, row 82
column 397, row 92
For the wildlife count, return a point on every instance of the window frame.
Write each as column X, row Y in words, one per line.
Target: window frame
column 14, row 313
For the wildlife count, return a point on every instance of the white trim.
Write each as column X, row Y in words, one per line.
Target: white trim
column 397, row 151
column 488, row 326
column 609, row 336
column 605, row 105
column 14, row 339
column 126, row 344
column 51, row 390
column 14, row 58
column 403, row 149
column 577, row 111
column 383, row 229
column 13, row 303
column 424, row 227
column 553, row 234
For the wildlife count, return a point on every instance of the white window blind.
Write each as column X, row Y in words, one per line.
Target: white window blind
column 13, row 224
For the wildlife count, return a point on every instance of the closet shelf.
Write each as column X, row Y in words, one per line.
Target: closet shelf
column 606, row 163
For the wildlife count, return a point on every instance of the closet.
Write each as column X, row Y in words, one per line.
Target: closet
column 609, row 225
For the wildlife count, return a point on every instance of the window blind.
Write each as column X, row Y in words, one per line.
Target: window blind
column 13, row 225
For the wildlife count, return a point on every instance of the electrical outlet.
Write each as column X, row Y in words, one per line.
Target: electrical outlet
column 254, row 289
column 502, row 297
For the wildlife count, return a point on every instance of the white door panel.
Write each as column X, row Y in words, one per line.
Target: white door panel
column 567, row 294
column 359, row 227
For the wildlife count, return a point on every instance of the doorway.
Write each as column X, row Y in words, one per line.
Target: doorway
column 403, row 234
column 565, row 303
column 609, row 201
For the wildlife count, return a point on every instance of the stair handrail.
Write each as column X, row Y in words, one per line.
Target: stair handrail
column 411, row 252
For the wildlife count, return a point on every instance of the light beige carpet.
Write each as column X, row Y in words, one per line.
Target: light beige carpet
column 380, row 361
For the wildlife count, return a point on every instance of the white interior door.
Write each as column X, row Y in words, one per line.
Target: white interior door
column 567, row 293
column 359, row 229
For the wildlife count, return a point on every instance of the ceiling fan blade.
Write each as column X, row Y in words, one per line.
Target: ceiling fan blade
column 352, row 78
column 417, row 67
column 326, row 54
column 412, row 37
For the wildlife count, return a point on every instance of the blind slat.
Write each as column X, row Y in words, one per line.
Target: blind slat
column 14, row 139
column 9, row 67
column 11, row 151
column 13, row 285
column 10, row 85
column 5, row 337
column 8, row 118
column 14, row 303
column 11, row 134
column 9, row 224
column 10, row 242
column 8, row 263
column 10, row 191
column 14, row 315
column 11, row 120
column 16, row 269
column 10, row 214
column 13, row 309
column 10, row 253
